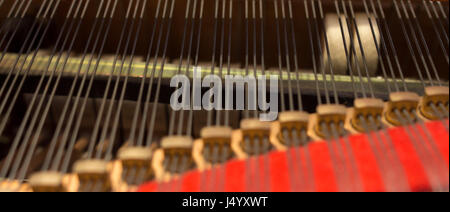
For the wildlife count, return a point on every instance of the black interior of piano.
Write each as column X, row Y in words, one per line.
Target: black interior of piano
column 206, row 45
column 238, row 39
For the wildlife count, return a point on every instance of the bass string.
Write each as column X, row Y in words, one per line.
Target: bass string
column 113, row 134
column 213, row 58
column 184, row 166
column 151, row 129
column 404, row 116
column 88, row 90
column 18, row 56
column 191, row 109
column 143, row 124
column 218, row 156
column 122, row 95
column 150, row 132
column 422, row 38
column 68, row 123
column 15, row 143
column 173, row 167
column 180, row 64
column 107, row 144
column 385, row 156
column 206, row 152
column 173, row 185
column 188, row 64
column 94, row 137
column 36, row 134
column 101, row 152
column 79, row 18
column 436, row 30
column 291, row 156
column 443, row 20
column 24, row 145
column 381, row 163
column 8, row 17
column 132, row 136
column 410, row 47
column 327, row 134
column 33, row 53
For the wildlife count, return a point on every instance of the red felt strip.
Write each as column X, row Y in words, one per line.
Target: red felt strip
column 322, row 166
column 148, row 187
column 235, row 176
column 191, row 182
column 440, row 137
column 412, row 165
column 279, row 178
column 366, row 164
